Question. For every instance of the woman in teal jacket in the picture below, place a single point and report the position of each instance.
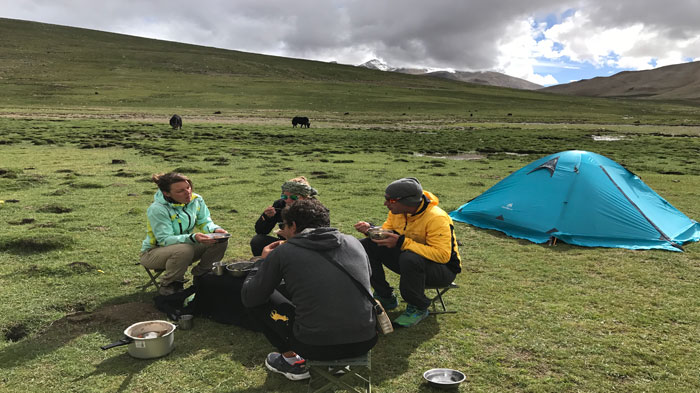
(171, 241)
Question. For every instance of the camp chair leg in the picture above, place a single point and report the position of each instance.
(325, 372)
(153, 276)
(439, 291)
(339, 381)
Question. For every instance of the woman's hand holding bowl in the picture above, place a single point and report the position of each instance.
(204, 238)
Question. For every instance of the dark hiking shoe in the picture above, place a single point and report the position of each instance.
(167, 290)
(389, 303)
(172, 288)
(294, 372)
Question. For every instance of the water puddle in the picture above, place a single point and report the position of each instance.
(607, 138)
(462, 156)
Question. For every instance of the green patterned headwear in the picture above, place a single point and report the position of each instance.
(300, 189)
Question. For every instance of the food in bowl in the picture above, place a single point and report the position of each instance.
(378, 233)
(239, 269)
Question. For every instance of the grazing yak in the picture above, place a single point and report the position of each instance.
(301, 120)
(176, 122)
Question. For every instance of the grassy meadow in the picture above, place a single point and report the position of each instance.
(83, 125)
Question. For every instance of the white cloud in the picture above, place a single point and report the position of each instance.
(520, 49)
(634, 46)
(632, 63)
(470, 35)
(544, 80)
(579, 39)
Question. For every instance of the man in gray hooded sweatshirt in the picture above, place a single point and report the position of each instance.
(326, 316)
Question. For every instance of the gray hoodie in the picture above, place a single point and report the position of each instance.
(330, 309)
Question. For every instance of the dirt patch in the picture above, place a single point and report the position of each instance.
(123, 173)
(16, 332)
(24, 221)
(57, 209)
(38, 243)
(81, 267)
(59, 192)
(87, 185)
(121, 315)
(9, 173)
(46, 225)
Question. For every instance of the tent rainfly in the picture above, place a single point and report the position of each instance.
(580, 198)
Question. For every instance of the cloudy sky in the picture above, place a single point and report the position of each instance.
(544, 41)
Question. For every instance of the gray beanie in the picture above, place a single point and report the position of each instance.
(407, 190)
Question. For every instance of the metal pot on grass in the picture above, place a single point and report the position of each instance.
(148, 339)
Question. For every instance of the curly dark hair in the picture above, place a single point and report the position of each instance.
(307, 213)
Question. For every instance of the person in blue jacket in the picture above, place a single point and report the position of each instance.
(178, 233)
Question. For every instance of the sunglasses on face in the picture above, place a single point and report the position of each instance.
(292, 197)
(392, 200)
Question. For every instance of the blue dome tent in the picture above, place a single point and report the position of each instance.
(581, 198)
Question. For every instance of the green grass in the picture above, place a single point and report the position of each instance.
(74, 170)
(531, 317)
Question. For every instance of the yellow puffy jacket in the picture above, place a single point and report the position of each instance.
(429, 233)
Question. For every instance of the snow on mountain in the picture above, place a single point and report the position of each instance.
(481, 78)
(376, 64)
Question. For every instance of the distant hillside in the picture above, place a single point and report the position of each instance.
(488, 78)
(674, 82)
(59, 67)
(47, 68)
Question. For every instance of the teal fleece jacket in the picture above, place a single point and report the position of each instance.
(173, 223)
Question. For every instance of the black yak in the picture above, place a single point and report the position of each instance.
(302, 121)
(176, 122)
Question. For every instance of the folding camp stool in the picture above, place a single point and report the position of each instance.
(328, 375)
(153, 274)
(439, 291)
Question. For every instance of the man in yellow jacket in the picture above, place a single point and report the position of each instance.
(422, 248)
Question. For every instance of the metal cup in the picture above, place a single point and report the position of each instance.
(218, 268)
(186, 322)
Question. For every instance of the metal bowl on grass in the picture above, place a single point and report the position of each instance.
(444, 377)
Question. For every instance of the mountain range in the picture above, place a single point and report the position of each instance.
(489, 78)
(673, 82)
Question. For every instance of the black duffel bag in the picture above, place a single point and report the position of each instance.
(215, 297)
